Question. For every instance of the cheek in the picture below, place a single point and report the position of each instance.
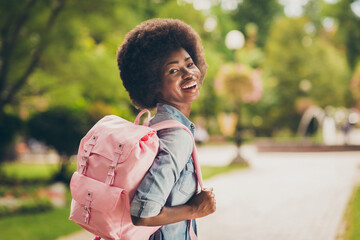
(168, 88)
(197, 72)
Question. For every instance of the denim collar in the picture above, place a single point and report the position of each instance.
(167, 112)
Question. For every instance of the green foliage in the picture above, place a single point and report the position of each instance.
(211, 171)
(36, 59)
(62, 53)
(54, 224)
(294, 57)
(171, 9)
(30, 206)
(33, 206)
(355, 86)
(45, 226)
(33, 171)
(61, 128)
(25, 28)
(260, 12)
(348, 25)
(9, 126)
(352, 217)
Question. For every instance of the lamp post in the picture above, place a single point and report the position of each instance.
(239, 84)
(234, 41)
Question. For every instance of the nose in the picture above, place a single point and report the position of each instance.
(187, 73)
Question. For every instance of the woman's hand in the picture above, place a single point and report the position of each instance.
(203, 203)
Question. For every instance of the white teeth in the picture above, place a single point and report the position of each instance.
(189, 85)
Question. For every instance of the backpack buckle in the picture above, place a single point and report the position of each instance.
(111, 175)
(85, 159)
(87, 209)
(84, 164)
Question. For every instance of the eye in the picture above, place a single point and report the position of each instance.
(172, 71)
(190, 65)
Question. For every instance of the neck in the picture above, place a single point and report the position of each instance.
(183, 108)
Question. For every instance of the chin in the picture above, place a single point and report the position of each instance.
(194, 99)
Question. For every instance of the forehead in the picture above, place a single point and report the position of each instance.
(177, 54)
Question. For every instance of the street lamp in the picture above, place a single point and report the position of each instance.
(235, 40)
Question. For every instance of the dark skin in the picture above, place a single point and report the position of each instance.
(180, 81)
(180, 87)
(201, 205)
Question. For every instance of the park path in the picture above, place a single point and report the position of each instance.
(281, 196)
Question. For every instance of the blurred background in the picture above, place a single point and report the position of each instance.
(283, 74)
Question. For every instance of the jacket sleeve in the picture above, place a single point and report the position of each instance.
(175, 149)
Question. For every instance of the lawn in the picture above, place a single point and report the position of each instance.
(352, 217)
(41, 226)
(45, 171)
(53, 224)
(211, 171)
(29, 171)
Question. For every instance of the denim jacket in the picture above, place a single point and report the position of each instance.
(171, 180)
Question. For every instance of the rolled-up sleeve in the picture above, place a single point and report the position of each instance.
(175, 149)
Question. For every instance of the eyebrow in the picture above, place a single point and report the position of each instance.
(175, 62)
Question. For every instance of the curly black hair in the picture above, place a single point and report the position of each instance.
(144, 51)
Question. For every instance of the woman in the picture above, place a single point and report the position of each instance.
(162, 65)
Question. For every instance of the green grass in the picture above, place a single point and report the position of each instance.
(54, 224)
(44, 171)
(211, 171)
(352, 217)
(29, 170)
(41, 226)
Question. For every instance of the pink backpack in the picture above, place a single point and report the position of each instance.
(113, 158)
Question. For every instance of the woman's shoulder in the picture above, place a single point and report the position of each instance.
(170, 132)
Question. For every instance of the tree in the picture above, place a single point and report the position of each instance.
(302, 65)
(348, 28)
(9, 126)
(38, 36)
(260, 12)
(22, 42)
(240, 84)
(60, 128)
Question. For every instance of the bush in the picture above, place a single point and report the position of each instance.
(9, 126)
(20, 199)
(33, 206)
(61, 128)
(26, 207)
(4, 210)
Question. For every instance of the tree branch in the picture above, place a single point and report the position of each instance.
(37, 54)
(9, 41)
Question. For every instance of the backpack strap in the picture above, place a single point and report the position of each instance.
(137, 120)
(85, 158)
(112, 167)
(175, 124)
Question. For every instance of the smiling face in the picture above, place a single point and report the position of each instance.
(180, 80)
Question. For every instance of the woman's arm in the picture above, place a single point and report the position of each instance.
(201, 205)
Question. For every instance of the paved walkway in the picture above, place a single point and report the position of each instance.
(282, 196)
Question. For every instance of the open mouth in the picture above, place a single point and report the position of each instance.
(189, 85)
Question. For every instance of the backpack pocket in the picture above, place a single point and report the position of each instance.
(96, 206)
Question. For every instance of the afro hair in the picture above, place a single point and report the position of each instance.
(144, 50)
